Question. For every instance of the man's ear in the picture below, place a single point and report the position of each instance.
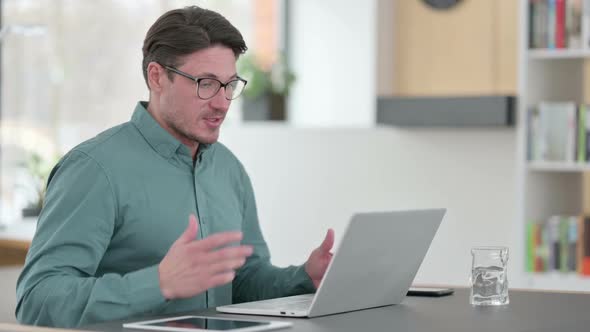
(155, 75)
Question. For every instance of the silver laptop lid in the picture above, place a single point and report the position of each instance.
(377, 260)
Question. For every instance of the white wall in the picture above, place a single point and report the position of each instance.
(332, 50)
(307, 180)
(385, 47)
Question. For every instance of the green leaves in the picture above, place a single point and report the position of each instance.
(278, 79)
(38, 169)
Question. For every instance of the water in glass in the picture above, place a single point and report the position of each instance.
(489, 282)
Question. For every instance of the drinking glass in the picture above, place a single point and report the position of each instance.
(489, 281)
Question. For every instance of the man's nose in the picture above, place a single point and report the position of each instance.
(219, 101)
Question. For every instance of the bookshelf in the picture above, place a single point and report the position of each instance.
(547, 188)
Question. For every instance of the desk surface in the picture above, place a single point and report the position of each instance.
(527, 312)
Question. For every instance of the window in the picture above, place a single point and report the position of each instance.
(71, 69)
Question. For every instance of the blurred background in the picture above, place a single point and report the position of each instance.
(351, 106)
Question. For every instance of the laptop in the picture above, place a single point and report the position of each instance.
(374, 266)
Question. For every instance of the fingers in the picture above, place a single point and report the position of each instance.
(328, 242)
(193, 265)
(190, 234)
(226, 266)
(220, 266)
(241, 252)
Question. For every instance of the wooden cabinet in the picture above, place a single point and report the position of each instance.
(15, 240)
(13, 252)
(470, 49)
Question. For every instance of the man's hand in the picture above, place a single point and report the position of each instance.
(318, 261)
(192, 266)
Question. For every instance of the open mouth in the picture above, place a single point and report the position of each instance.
(213, 121)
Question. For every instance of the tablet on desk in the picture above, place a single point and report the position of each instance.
(199, 324)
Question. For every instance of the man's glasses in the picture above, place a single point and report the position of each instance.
(208, 87)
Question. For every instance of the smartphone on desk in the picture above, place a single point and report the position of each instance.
(430, 291)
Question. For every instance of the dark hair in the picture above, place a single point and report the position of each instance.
(183, 31)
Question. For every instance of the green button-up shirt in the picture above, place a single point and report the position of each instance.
(114, 206)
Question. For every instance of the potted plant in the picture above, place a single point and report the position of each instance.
(37, 170)
(267, 88)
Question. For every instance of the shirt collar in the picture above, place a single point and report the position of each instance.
(158, 138)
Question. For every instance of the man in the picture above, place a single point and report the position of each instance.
(112, 240)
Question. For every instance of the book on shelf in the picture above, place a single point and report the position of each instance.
(554, 244)
(551, 24)
(584, 252)
(536, 258)
(537, 24)
(536, 255)
(541, 251)
(572, 244)
(564, 253)
(556, 24)
(558, 132)
(560, 24)
(583, 133)
(583, 231)
(560, 243)
(573, 22)
(553, 132)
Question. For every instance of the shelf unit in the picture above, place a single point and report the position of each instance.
(544, 166)
(549, 280)
(546, 54)
(547, 188)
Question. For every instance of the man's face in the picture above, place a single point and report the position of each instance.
(188, 117)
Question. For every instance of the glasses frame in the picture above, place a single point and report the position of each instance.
(198, 80)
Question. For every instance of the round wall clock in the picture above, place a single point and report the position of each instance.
(441, 4)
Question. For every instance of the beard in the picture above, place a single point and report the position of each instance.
(181, 128)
